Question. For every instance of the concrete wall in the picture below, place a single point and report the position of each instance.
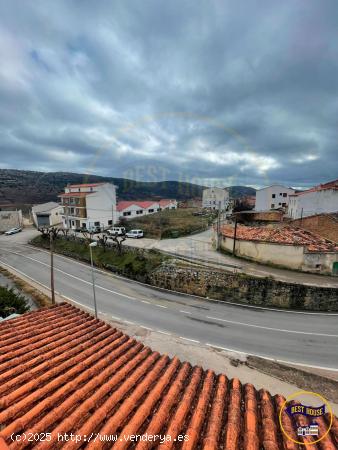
(288, 255)
(10, 219)
(312, 203)
(55, 216)
(265, 199)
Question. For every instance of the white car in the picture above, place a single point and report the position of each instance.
(135, 234)
(117, 231)
(13, 230)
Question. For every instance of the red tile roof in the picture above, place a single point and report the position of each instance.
(320, 187)
(281, 235)
(165, 202)
(142, 204)
(62, 371)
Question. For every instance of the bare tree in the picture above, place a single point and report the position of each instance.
(102, 239)
(118, 241)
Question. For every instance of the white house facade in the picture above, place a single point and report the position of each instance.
(135, 208)
(47, 214)
(273, 197)
(317, 200)
(89, 205)
(215, 198)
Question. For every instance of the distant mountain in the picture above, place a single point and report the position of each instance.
(23, 187)
(241, 191)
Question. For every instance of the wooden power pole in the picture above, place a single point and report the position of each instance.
(235, 235)
(51, 247)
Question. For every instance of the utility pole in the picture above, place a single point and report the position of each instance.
(219, 226)
(235, 234)
(51, 247)
(91, 245)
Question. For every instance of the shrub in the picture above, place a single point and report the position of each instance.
(11, 302)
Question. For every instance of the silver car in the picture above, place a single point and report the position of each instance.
(13, 230)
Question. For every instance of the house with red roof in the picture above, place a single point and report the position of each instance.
(319, 199)
(88, 206)
(139, 208)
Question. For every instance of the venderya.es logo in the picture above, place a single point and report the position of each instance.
(305, 418)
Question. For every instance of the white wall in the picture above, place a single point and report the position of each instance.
(316, 202)
(55, 216)
(101, 205)
(266, 201)
(134, 208)
(213, 196)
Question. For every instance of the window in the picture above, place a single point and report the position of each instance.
(285, 194)
(273, 196)
(279, 204)
(158, 209)
(96, 224)
(272, 205)
(284, 204)
(140, 211)
(83, 225)
(110, 222)
(280, 194)
(127, 213)
(150, 210)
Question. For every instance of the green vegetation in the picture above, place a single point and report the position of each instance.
(11, 302)
(133, 263)
(171, 223)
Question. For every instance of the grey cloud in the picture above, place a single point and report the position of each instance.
(229, 91)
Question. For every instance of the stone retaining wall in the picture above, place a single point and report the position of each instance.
(245, 289)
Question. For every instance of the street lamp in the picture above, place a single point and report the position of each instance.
(91, 245)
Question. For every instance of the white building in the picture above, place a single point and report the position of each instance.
(89, 205)
(135, 208)
(47, 214)
(215, 197)
(317, 200)
(10, 219)
(273, 197)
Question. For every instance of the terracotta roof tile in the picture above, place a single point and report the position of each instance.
(281, 235)
(62, 371)
(141, 204)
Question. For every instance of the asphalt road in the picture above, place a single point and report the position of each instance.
(301, 338)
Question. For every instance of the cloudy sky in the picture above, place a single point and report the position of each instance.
(216, 92)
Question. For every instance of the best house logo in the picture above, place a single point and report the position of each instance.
(303, 408)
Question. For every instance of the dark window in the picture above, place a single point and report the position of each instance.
(127, 213)
(150, 210)
(283, 204)
(285, 194)
(280, 194)
(140, 211)
(272, 205)
(279, 203)
(96, 224)
(273, 195)
(158, 209)
(110, 222)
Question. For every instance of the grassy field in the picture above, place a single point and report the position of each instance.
(170, 223)
(133, 264)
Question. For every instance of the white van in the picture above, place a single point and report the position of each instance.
(135, 234)
(117, 231)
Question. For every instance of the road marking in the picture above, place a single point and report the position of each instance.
(128, 321)
(116, 318)
(160, 306)
(145, 301)
(146, 328)
(237, 305)
(282, 361)
(271, 329)
(185, 312)
(190, 340)
(163, 332)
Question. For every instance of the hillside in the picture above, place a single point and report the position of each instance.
(22, 187)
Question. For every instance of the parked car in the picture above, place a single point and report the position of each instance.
(116, 231)
(135, 234)
(13, 230)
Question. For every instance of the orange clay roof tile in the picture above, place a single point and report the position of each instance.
(62, 371)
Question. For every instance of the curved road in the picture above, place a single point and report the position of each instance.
(301, 338)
